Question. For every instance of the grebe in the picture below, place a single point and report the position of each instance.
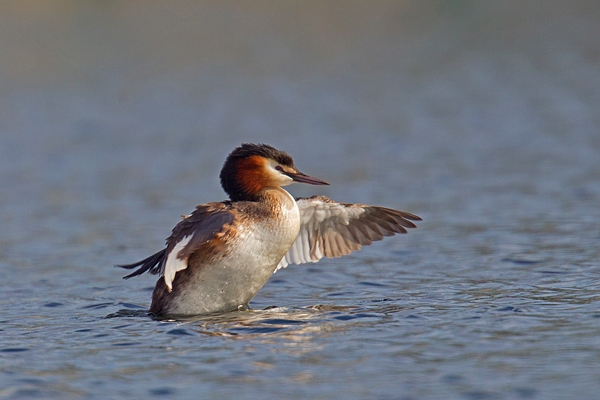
(218, 257)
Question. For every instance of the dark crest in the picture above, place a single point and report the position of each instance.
(250, 149)
(228, 172)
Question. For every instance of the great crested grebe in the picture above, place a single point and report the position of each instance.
(218, 257)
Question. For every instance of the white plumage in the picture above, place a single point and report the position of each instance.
(174, 263)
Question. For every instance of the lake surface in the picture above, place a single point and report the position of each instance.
(481, 117)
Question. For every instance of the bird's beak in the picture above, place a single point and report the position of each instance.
(298, 176)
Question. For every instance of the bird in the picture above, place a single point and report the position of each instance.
(218, 257)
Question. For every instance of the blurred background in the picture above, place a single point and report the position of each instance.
(109, 106)
(482, 117)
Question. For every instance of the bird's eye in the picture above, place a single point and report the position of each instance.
(278, 168)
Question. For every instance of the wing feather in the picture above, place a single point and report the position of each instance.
(330, 245)
(192, 233)
(331, 229)
(187, 237)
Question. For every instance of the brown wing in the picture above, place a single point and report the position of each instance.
(193, 232)
(202, 225)
(186, 238)
(331, 229)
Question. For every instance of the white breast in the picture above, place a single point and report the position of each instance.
(224, 283)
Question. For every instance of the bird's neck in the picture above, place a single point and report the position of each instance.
(276, 196)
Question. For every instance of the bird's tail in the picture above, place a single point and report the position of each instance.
(155, 264)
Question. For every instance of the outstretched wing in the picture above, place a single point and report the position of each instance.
(331, 229)
(187, 237)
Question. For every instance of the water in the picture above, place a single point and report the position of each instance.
(482, 118)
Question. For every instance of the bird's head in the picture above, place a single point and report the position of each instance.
(252, 167)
